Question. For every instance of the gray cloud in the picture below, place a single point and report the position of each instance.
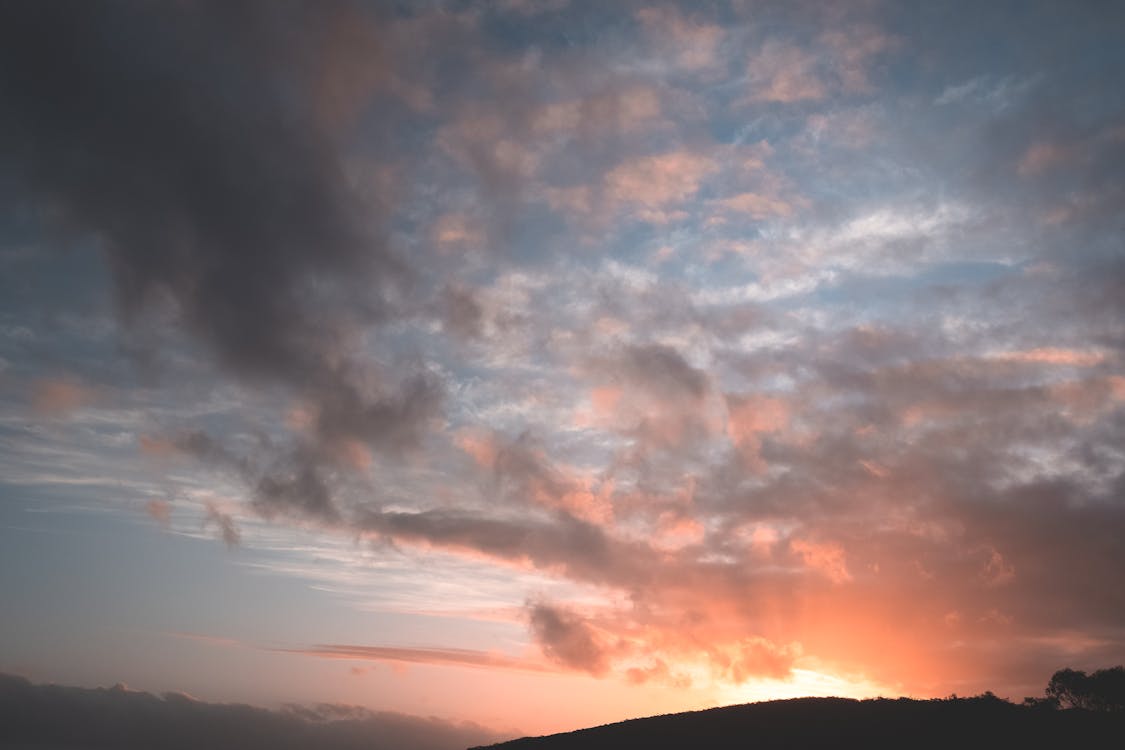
(563, 543)
(566, 639)
(166, 134)
(225, 523)
(185, 141)
(664, 370)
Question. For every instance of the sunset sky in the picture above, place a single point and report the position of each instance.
(544, 364)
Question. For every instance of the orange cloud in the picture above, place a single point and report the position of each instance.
(676, 530)
(828, 558)
(759, 657)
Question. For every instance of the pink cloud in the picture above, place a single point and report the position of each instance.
(1055, 356)
(851, 51)
(152, 445)
(749, 418)
(446, 656)
(675, 530)
(458, 231)
(757, 206)
(524, 473)
(755, 414)
(624, 110)
(996, 570)
(58, 397)
(1043, 156)
(691, 45)
(653, 183)
(783, 72)
(480, 446)
(159, 511)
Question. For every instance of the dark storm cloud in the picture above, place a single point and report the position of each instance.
(71, 718)
(184, 139)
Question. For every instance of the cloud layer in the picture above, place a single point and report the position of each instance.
(784, 338)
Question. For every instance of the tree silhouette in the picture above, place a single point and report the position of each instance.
(1104, 690)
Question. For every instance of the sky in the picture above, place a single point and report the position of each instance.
(544, 364)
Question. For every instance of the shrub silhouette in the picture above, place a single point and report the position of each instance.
(1104, 690)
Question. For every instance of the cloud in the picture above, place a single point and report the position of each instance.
(757, 206)
(690, 44)
(454, 656)
(652, 394)
(566, 639)
(826, 557)
(197, 210)
(757, 657)
(159, 511)
(1055, 356)
(70, 717)
(852, 50)
(562, 543)
(224, 523)
(663, 370)
(55, 397)
(651, 184)
(784, 72)
(881, 353)
(193, 157)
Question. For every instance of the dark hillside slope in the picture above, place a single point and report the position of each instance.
(956, 723)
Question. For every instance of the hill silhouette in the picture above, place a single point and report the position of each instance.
(60, 717)
(806, 723)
